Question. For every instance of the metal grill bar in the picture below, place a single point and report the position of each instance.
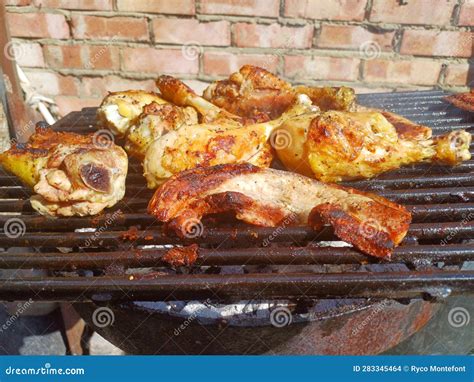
(438, 212)
(440, 198)
(296, 285)
(240, 235)
(411, 254)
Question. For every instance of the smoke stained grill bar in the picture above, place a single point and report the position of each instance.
(439, 242)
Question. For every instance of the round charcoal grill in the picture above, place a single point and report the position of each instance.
(254, 290)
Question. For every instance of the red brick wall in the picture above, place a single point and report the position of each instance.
(76, 50)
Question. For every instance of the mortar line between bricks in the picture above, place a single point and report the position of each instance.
(283, 20)
(310, 51)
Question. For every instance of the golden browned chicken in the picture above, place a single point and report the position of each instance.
(119, 110)
(178, 93)
(208, 144)
(156, 120)
(71, 174)
(141, 117)
(256, 94)
(337, 145)
(268, 197)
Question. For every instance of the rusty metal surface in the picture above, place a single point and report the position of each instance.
(367, 329)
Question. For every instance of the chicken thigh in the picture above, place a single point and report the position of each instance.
(268, 197)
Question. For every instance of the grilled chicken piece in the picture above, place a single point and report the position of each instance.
(214, 143)
(71, 174)
(463, 101)
(178, 93)
(259, 95)
(337, 145)
(268, 197)
(118, 111)
(156, 120)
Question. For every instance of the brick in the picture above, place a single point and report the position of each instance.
(49, 25)
(175, 7)
(457, 75)
(82, 56)
(223, 63)
(92, 5)
(466, 15)
(416, 72)
(18, 3)
(113, 28)
(150, 60)
(52, 84)
(326, 10)
(433, 43)
(182, 31)
(67, 104)
(352, 37)
(268, 8)
(321, 68)
(272, 36)
(437, 12)
(28, 54)
(99, 86)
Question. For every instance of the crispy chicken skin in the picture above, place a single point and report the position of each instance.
(337, 145)
(71, 174)
(141, 117)
(118, 111)
(156, 120)
(257, 94)
(212, 144)
(463, 101)
(267, 197)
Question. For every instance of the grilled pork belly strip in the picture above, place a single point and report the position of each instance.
(268, 197)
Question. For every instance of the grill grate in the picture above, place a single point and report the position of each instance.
(241, 261)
